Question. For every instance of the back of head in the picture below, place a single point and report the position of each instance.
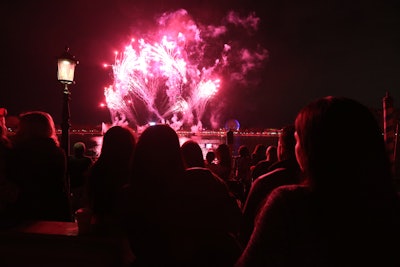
(36, 124)
(259, 150)
(192, 154)
(118, 144)
(259, 153)
(224, 155)
(157, 157)
(340, 146)
(244, 151)
(79, 149)
(210, 156)
(286, 143)
(271, 153)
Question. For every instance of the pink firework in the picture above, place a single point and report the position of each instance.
(165, 79)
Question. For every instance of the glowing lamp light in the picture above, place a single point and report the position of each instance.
(66, 67)
(65, 74)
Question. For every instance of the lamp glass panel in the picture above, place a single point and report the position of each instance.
(66, 70)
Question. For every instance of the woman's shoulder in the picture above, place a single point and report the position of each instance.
(293, 189)
(293, 192)
(284, 200)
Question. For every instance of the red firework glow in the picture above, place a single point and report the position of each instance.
(166, 80)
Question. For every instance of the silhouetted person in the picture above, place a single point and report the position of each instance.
(224, 169)
(39, 169)
(258, 154)
(78, 167)
(175, 217)
(242, 170)
(216, 213)
(210, 160)
(347, 212)
(262, 167)
(109, 173)
(224, 164)
(229, 137)
(285, 171)
(192, 154)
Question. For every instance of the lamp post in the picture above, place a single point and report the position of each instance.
(65, 75)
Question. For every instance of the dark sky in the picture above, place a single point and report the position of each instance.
(316, 48)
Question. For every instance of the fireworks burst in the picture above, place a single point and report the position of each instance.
(167, 80)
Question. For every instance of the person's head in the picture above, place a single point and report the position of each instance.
(223, 154)
(244, 151)
(157, 159)
(192, 154)
(271, 153)
(339, 145)
(79, 149)
(286, 143)
(36, 124)
(118, 144)
(210, 157)
(259, 151)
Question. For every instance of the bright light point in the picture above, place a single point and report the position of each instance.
(208, 89)
(152, 123)
(102, 105)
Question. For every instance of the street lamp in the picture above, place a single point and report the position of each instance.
(65, 75)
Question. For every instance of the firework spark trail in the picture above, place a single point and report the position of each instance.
(131, 81)
(166, 76)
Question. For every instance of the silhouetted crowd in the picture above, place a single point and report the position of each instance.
(323, 196)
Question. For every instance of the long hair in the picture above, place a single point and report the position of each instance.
(287, 143)
(111, 171)
(157, 161)
(118, 144)
(36, 124)
(224, 155)
(342, 146)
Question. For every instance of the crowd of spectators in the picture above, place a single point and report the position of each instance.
(320, 197)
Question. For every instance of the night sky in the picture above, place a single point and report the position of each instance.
(316, 48)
